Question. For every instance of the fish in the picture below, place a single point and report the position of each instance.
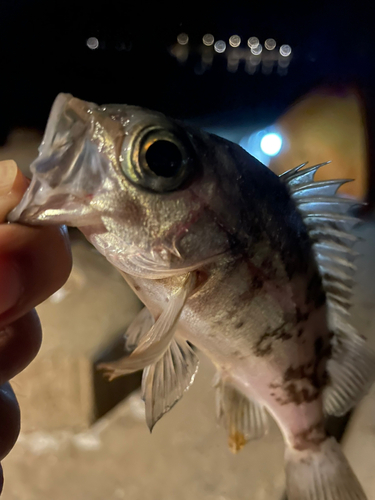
(253, 269)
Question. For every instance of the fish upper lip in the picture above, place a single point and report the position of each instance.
(30, 214)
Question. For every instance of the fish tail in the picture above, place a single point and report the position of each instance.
(321, 473)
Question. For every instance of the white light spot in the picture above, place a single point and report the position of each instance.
(271, 144)
(257, 50)
(253, 42)
(183, 39)
(92, 43)
(285, 50)
(220, 46)
(58, 296)
(235, 41)
(87, 441)
(270, 44)
(208, 39)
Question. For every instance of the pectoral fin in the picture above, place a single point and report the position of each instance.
(164, 382)
(244, 419)
(153, 344)
(140, 326)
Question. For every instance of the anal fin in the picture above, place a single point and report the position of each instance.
(244, 419)
(164, 382)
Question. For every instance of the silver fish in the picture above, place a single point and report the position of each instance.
(253, 269)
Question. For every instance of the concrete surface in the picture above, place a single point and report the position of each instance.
(186, 457)
(61, 389)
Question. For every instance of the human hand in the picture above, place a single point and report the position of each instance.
(34, 263)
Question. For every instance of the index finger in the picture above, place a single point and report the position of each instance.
(13, 184)
(34, 261)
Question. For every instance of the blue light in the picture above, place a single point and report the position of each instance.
(271, 144)
(263, 144)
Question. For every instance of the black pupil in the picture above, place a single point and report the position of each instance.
(164, 158)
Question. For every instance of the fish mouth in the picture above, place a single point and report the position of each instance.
(61, 188)
(59, 210)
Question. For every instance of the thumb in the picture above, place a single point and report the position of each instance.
(12, 186)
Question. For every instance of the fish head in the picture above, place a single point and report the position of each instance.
(136, 183)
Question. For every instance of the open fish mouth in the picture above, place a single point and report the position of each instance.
(68, 171)
(72, 211)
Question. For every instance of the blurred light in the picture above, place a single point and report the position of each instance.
(233, 62)
(183, 39)
(255, 60)
(263, 144)
(220, 46)
(253, 42)
(208, 39)
(92, 43)
(282, 71)
(283, 62)
(250, 67)
(267, 67)
(207, 57)
(180, 52)
(234, 41)
(270, 44)
(271, 144)
(285, 50)
(257, 50)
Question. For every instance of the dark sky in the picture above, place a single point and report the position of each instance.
(43, 52)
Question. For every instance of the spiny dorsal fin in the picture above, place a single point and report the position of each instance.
(325, 188)
(329, 223)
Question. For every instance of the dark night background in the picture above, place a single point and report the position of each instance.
(44, 51)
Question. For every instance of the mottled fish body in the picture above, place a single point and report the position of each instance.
(252, 269)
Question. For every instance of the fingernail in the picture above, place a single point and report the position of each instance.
(11, 286)
(8, 173)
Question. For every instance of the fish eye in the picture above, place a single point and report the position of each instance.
(158, 159)
(164, 158)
